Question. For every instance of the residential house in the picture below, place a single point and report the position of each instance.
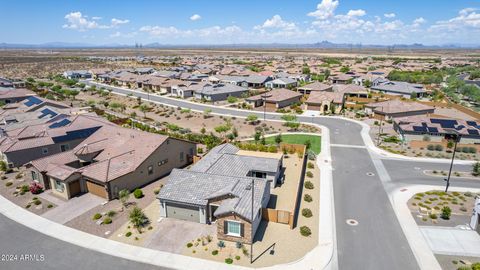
(282, 83)
(12, 95)
(6, 83)
(110, 160)
(325, 102)
(219, 188)
(77, 74)
(186, 89)
(415, 128)
(275, 99)
(396, 108)
(30, 104)
(341, 79)
(219, 92)
(314, 87)
(404, 89)
(19, 146)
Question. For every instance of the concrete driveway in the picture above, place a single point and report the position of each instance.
(172, 235)
(68, 210)
(452, 241)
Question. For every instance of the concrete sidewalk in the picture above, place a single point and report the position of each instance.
(419, 245)
(452, 241)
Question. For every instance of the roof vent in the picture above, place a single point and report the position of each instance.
(248, 187)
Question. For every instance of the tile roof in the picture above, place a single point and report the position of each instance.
(277, 95)
(316, 86)
(398, 106)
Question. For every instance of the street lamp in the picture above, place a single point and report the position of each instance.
(264, 99)
(453, 135)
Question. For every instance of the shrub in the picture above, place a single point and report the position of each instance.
(310, 165)
(18, 176)
(305, 231)
(50, 206)
(245, 251)
(446, 212)
(307, 198)
(307, 212)
(7, 184)
(308, 185)
(237, 258)
(37, 202)
(138, 193)
(439, 147)
(309, 174)
(35, 188)
(97, 216)
(463, 209)
(128, 234)
(111, 213)
(221, 244)
(24, 188)
(3, 166)
(156, 191)
(433, 216)
(431, 147)
(215, 252)
(107, 220)
(228, 260)
(189, 245)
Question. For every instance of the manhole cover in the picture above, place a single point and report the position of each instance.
(370, 174)
(352, 222)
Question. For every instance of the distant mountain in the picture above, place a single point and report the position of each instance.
(319, 45)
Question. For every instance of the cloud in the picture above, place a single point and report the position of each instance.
(195, 17)
(78, 21)
(356, 13)
(116, 22)
(325, 9)
(276, 22)
(389, 15)
(467, 18)
(119, 34)
(75, 20)
(418, 21)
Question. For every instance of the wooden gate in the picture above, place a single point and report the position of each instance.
(277, 216)
(283, 216)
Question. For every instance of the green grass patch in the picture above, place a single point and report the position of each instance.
(299, 139)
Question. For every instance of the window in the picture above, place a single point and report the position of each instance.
(59, 186)
(259, 175)
(233, 228)
(34, 176)
(162, 162)
(64, 147)
(44, 150)
(182, 156)
(191, 151)
(150, 170)
(259, 213)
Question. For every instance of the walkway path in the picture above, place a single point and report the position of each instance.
(72, 208)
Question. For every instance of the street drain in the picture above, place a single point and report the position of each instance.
(370, 174)
(352, 222)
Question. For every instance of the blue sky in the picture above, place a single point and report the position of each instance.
(246, 21)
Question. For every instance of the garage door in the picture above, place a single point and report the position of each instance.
(271, 106)
(97, 189)
(183, 212)
(74, 188)
(314, 107)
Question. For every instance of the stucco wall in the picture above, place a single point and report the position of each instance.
(140, 177)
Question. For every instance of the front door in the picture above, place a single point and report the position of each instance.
(213, 208)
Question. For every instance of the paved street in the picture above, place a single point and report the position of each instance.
(377, 242)
(17, 239)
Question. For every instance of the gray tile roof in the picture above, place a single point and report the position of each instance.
(221, 89)
(196, 188)
(399, 87)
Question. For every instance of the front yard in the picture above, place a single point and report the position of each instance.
(315, 140)
(15, 188)
(275, 243)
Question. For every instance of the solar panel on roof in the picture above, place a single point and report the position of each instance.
(472, 123)
(460, 127)
(61, 123)
(46, 112)
(419, 129)
(445, 123)
(32, 101)
(433, 129)
(473, 132)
